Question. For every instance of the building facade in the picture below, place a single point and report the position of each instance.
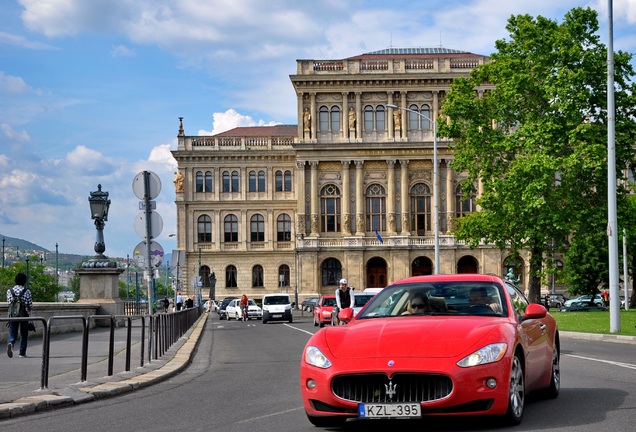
(347, 192)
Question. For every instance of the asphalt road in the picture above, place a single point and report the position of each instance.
(244, 376)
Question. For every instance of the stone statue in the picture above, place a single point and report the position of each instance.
(397, 119)
(307, 120)
(352, 118)
(178, 181)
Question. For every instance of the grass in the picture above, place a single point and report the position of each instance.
(595, 322)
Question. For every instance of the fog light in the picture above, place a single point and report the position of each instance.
(311, 384)
(491, 383)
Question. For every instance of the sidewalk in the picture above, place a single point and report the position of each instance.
(20, 378)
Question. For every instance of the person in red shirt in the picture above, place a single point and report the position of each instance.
(244, 305)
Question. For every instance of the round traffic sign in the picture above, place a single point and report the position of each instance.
(141, 252)
(154, 185)
(156, 224)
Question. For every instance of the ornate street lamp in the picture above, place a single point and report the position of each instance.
(100, 204)
(212, 285)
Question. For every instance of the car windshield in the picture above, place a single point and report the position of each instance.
(276, 300)
(439, 298)
(362, 299)
(330, 301)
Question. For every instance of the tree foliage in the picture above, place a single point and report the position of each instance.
(43, 286)
(531, 126)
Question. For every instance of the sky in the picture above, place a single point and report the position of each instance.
(91, 91)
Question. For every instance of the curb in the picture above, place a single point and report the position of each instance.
(75, 395)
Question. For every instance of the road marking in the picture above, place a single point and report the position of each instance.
(299, 329)
(269, 415)
(619, 364)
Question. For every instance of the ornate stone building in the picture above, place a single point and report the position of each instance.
(347, 192)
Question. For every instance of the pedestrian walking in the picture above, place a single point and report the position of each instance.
(20, 305)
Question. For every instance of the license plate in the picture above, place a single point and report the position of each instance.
(400, 410)
(277, 315)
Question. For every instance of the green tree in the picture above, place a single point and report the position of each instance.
(43, 286)
(531, 125)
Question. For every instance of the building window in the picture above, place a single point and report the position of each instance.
(420, 122)
(374, 118)
(208, 181)
(257, 228)
(231, 181)
(257, 181)
(283, 181)
(235, 182)
(283, 227)
(330, 209)
(204, 229)
(420, 208)
(283, 275)
(257, 276)
(230, 277)
(230, 228)
(376, 208)
(331, 272)
(329, 119)
(199, 182)
(464, 204)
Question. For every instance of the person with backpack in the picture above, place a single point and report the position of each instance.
(20, 305)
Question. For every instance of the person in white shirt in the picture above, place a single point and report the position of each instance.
(344, 297)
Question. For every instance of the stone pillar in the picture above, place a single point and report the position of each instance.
(450, 197)
(404, 192)
(389, 120)
(346, 199)
(359, 115)
(315, 197)
(344, 123)
(360, 226)
(300, 198)
(390, 198)
(100, 285)
(404, 118)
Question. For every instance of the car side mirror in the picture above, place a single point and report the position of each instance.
(534, 311)
(345, 315)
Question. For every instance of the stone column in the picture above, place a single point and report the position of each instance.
(346, 199)
(344, 124)
(101, 286)
(450, 197)
(314, 200)
(314, 130)
(404, 117)
(390, 197)
(389, 120)
(358, 115)
(360, 226)
(299, 102)
(300, 198)
(404, 192)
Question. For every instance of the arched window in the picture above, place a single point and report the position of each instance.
(208, 181)
(323, 119)
(204, 229)
(257, 181)
(235, 181)
(330, 209)
(374, 118)
(283, 181)
(464, 204)
(257, 228)
(335, 119)
(420, 122)
(199, 182)
(227, 184)
(283, 227)
(331, 272)
(288, 181)
(420, 208)
(257, 276)
(230, 277)
(376, 208)
(230, 228)
(283, 275)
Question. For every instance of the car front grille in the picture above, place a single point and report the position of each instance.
(401, 387)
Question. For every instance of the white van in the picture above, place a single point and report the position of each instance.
(372, 290)
(277, 307)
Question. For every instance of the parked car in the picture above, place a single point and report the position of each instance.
(359, 301)
(233, 310)
(277, 307)
(587, 297)
(224, 303)
(308, 304)
(465, 359)
(583, 306)
(323, 309)
(372, 290)
(557, 300)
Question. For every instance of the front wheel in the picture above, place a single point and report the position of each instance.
(552, 392)
(516, 393)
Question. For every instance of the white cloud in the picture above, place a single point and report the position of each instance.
(12, 84)
(22, 42)
(7, 130)
(230, 119)
(122, 51)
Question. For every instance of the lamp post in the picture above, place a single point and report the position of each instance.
(435, 182)
(57, 272)
(27, 272)
(212, 286)
(3, 239)
(99, 203)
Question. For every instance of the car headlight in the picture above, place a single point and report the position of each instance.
(315, 357)
(488, 354)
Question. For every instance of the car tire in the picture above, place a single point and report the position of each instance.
(326, 421)
(291, 319)
(264, 321)
(552, 392)
(315, 322)
(322, 324)
(227, 316)
(516, 393)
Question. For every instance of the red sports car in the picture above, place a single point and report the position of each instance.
(323, 309)
(445, 345)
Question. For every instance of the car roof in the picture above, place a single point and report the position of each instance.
(463, 277)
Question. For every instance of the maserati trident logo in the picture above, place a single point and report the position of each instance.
(390, 389)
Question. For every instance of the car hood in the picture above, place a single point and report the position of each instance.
(436, 337)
